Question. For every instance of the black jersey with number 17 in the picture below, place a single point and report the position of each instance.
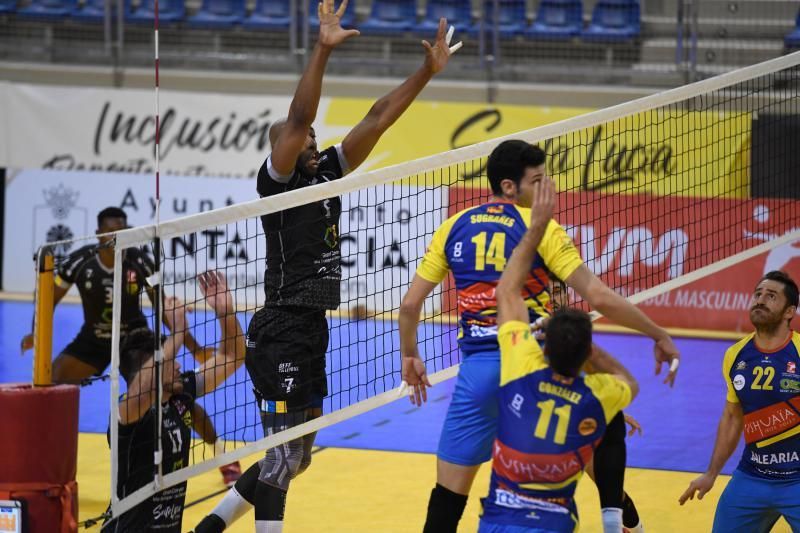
(95, 283)
(162, 512)
(303, 249)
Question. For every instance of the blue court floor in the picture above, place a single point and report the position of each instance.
(679, 424)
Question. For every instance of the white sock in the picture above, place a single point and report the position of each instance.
(232, 507)
(269, 526)
(612, 519)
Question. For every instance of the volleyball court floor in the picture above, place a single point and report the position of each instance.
(374, 472)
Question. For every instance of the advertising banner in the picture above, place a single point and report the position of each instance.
(635, 242)
(383, 233)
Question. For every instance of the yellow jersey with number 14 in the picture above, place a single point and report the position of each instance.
(475, 245)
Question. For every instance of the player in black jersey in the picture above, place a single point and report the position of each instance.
(164, 511)
(288, 338)
(91, 270)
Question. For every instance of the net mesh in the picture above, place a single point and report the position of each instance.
(654, 193)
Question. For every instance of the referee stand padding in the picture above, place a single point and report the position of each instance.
(39, 454)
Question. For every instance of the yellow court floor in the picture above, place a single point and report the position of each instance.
(348, 490)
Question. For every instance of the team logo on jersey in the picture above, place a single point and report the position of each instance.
(741, 365)
(791, 367)
(331, 236)
(133, 286)
(494, 209)
(738, 382)
(587, 426)
(516, 405)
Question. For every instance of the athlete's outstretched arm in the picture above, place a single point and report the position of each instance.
(510, 303)
(231, 350)
(303, 109)
(414, 373)
(142, 388)
(612, 305)
(603, 362)
(362, 139)
(728, 434)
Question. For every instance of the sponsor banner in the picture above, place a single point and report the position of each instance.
(384, 231)
(667, 152)
(217, 135)
(634, 242)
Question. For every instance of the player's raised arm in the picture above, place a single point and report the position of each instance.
(362, 139)
(141, 389)
(615, 307)
(288, 138)
(729, 432)
(231, 350)
(510, 304)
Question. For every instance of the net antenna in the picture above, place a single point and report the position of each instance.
(708, 162)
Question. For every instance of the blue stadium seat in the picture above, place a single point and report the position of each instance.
(169, 11)
(8, 6)
(390, 16)
(47, 9)
(218, 14)
(348, 19)
(614, 21)
(269, 15)
(457, 12)
(793, 39)
(511, 19)
(557, 19)
(92, 11)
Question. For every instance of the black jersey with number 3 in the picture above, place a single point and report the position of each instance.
(162, 512)
(95, 284)
(303, 254)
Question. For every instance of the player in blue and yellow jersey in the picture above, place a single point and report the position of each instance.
(763, 402)
(550, 418)
(475, 245)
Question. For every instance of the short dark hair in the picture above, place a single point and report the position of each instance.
(137, 347)
(789, 286)
(569, 341)
(509, 160)
(110, 212)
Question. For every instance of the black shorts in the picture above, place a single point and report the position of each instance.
(91, 350)
(286, 357)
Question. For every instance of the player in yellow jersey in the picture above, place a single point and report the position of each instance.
(763, 402)
(550, 418)
(475, 245)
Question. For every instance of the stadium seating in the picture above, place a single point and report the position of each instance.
(457, 12)
(557, 19)
(390, 16)
(219, 14)
(91, 11)
(8, 6)
(169, 11)
(614, 21)
(511, 17)
(47, 9)
(348, 19)
(792, 40)
(269, 15)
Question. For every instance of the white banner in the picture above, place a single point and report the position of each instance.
(100, 129)
(384, 231)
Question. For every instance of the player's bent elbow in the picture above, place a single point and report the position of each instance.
(634, 386)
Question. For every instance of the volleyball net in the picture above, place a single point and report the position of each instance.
(679, 201)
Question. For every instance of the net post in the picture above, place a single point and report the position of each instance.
(43, 323)
(116, 314)
(158, 360)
